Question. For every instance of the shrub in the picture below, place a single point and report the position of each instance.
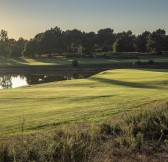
(75, 63)
(55, 146)
(139, 63)
(107, 129)
(153, 124)
(150, 62)
(4, 152)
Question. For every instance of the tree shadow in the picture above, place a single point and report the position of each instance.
(154, 70)
(17, 61)
(20, 60)
(51, 61)
(147, 85)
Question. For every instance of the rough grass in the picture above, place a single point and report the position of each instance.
(142, 136)
(46, 106)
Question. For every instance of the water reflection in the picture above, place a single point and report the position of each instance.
(13, 81)
(5, 81)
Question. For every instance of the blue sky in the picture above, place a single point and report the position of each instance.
(26, 18)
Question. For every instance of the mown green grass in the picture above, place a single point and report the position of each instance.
(47, 61)
(95, 99)
(68, 61)
(140, 136)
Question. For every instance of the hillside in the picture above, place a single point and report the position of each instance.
(45, 106)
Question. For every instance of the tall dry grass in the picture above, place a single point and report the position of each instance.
(142, 136)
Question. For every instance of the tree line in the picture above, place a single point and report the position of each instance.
(57, 41)
(11, 47)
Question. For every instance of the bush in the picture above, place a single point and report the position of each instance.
(57, 146)
(139, 63)
(75, 63)
(153, 124)
(107, 129)
(4, 152)
(150, 62)
(159, 53)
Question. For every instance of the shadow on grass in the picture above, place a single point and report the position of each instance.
(20, 60)
(15, 61)
(53, 61)
(154, 70)
(52, 125)
(130, 84)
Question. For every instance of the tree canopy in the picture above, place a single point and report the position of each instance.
(57, 41)
(5, 48)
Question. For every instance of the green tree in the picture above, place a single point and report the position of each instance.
(105, 39)
(17, 46)
(3, 35)
(74, 40)
(119, 45)
(124, 42)
(5, 47)
(49, 41)
(166, 43)
(30, 48)
(156, 41)
(141, 42)
(88, 43)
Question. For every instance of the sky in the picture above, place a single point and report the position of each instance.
(26, 18)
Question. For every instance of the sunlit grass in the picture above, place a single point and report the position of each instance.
(94, 99)
(68, 61)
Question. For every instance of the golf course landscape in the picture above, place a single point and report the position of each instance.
(79, 118)
(68, 61)
(94, 99)
(83, 81)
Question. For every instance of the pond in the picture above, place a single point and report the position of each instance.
(18, 80)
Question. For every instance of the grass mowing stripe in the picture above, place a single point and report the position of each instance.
(84, 100)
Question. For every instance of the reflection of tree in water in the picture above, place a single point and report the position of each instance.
(37, 79)
(78, 76)
(6, 81)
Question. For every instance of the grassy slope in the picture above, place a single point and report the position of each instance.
(93, 99)
(45, 61)
(65, 61)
